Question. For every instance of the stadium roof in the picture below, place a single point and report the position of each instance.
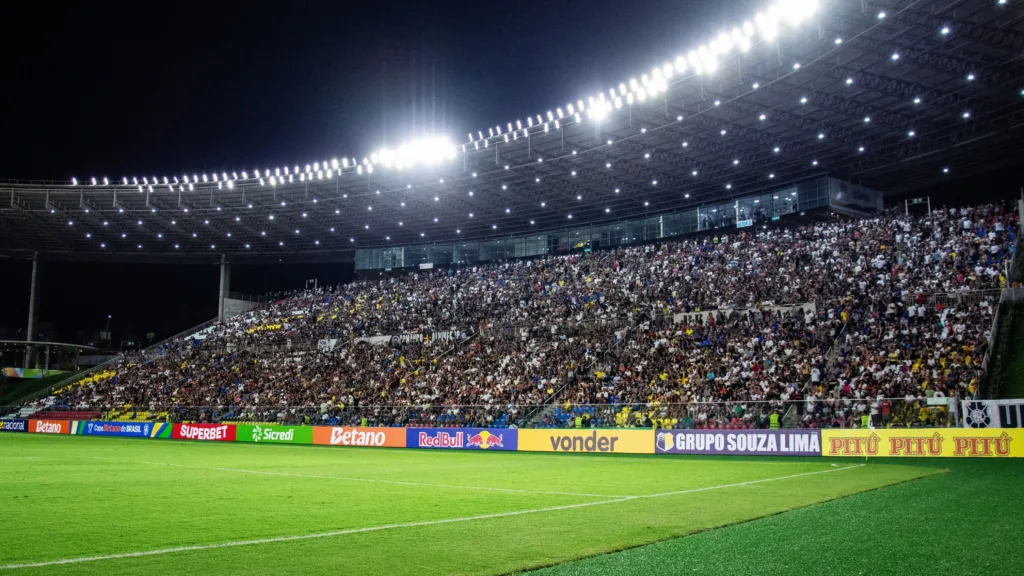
(897, 96)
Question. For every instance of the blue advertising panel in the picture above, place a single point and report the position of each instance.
(463, 438)
(14, 425)
(799, 442)
(137, 429)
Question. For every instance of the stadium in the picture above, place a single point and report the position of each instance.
(752, 309)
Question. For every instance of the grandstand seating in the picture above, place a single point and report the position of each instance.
(833, 317)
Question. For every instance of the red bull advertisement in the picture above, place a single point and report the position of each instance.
(463, 438)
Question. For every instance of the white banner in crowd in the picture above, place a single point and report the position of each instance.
(693, 317)
(436, 336)
(993, 413)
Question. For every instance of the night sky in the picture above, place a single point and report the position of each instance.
(164, 88)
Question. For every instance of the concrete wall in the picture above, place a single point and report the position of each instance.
(234, 307)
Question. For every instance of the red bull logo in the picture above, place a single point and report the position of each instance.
(463, 439)
(485, 440)
(442, 440)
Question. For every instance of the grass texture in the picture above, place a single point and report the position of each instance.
(179, 507)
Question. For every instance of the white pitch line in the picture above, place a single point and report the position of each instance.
(370, 480)
(278, 539)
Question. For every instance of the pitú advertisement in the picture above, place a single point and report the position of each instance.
(273, 434)
(135, 429)
(463, 438)
(205, 432)
(358, 436)
(49, 426)
(14, 425)
(746, 442)
(925, 442)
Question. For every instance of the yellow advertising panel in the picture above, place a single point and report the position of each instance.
(607, 441)
(925, 442)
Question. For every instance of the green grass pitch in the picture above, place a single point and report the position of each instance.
(140, 506)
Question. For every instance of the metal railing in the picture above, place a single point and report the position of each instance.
(819, 413)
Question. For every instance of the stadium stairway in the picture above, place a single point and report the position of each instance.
(538, 417)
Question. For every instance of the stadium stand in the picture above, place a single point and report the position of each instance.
(825, 323)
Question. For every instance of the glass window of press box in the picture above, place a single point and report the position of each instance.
(742, 212)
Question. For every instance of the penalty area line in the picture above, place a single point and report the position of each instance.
(280, 539)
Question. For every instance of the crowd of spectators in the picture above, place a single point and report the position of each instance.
(837, 319)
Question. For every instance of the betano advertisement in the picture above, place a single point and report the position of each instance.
(618, 441)
(925, 442)
(463, 438)
(759, 442)
(49, 426)
(352, 436)
(273, 434)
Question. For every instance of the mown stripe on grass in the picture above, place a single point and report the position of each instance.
(371, 480)
(280, 539)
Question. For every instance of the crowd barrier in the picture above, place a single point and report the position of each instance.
(862, 443)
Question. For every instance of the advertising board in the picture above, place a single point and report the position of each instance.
(13, 425)
(273, 434)
(134, 429)
(463, 438)
(205, 432)
(925, 442)
(49, 426)
(358, 436)
(760, 442)
(618, 441)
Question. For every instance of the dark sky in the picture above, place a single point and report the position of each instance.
(163, 88)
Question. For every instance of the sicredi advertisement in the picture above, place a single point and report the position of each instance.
(274, 434)
(358, 436)
(609, 441)
(49, 426)
(14, 425)
(206, 432)
(766, 442)
(925, 442)
(135, 429)
(463, 438)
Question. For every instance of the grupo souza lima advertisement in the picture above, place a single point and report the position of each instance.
(136, 429)
(463, 438)
(14, 425)
(273, 434)
(781, 442)
(925, 442)
(209, 432)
